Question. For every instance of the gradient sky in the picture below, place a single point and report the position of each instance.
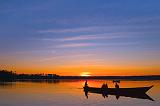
(71, 37)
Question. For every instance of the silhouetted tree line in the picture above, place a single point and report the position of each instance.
(37, 76)
(11, 76)
(7, 75)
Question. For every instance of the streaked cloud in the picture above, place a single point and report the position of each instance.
(91, 37)
(114, 35)
(91, 28)
(106, 28)
(74, 45)
(67, 56)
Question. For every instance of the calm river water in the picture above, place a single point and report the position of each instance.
(70, 93)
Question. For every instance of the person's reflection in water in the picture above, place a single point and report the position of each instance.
(117, 97)
(104, 90)
(86, 94)
(117, 90)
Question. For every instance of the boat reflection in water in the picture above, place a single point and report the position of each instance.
(138, 92)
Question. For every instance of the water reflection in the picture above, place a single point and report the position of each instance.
(139, 92)
(6, 84)
(70, 93)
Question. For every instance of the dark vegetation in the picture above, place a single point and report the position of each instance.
(11, 76)
(7, 75)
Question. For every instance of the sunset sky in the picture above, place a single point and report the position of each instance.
(80, 37)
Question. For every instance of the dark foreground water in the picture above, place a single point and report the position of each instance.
(70, 93)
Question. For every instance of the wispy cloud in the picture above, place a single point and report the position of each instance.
(67, 56)
(69, 30)
(73, 45)
(82, 29)
(92, 37)
(83, 37)
(83, 54)
(105, 28)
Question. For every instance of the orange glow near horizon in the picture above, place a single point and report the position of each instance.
(85, 74)
(91, 70)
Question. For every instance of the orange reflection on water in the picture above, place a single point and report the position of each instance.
(63, 89)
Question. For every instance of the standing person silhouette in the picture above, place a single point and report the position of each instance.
(86, 84)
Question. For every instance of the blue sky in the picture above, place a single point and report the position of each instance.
(45, 31)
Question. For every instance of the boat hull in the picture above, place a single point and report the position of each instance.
(118, 90)
(138, 92)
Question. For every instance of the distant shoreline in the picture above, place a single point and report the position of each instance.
(11, 76)
(149, 77)
(129, 78)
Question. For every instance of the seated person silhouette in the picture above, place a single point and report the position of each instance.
(116, 86)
